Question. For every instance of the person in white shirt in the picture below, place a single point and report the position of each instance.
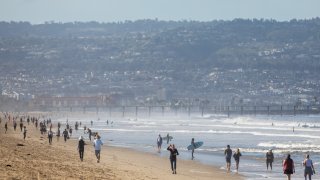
(97, 146)
(308, 167)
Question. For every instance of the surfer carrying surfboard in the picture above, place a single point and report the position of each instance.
(173, 158)
(194, 146)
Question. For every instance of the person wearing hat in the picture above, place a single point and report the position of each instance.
(97, 146)
(81, 147)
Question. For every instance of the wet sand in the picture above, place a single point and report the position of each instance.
(34, 158)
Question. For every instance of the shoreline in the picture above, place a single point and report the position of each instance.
(34, 158)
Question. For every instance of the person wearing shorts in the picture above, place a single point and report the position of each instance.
(228, 155)
(308, 167)
(97, 143)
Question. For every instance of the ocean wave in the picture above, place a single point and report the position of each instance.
(288, 146)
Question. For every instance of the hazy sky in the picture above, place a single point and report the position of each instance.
(39, 11)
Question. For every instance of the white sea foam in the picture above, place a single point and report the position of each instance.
(288, 145)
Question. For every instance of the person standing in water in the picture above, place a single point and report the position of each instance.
(194, 146)
(236, 157)
(168, 138)
(288, 167)
(97, 147)
(81, 147)
(173, 158)
(159, 142)
(228, 155)
(308, 167)
(269, 159)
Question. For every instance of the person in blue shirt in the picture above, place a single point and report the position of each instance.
(97, 143)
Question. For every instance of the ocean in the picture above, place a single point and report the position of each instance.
(253, 135)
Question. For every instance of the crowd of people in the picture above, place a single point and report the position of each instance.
(46, 128)
(287, 163)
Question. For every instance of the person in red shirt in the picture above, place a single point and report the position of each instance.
(288, 167)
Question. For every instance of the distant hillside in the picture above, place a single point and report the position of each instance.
(193, 57)
(225, 44)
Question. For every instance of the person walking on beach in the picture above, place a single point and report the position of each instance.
(21, 125)
(6, 127)
(70, 131)
(159, 142)
(308, 167)
(24, 133)
(81, 147)
(50, 136)
(65, 135)
(58, 134)
(228, 155)
(194, 146)
(288, 167)
(14, 125)
(236, 157)
(269, 159)
(173, 158)
(97, 147)
(90, 133)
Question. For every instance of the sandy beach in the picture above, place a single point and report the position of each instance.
(34, 158)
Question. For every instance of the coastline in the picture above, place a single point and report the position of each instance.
(36, 159)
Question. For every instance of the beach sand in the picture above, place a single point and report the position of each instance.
(34, 158)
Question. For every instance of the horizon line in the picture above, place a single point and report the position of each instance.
(158, 20)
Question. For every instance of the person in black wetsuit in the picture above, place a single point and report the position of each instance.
(81, 147)
(173, 158)
(65, 135)
(228, 154)
(194, 146)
